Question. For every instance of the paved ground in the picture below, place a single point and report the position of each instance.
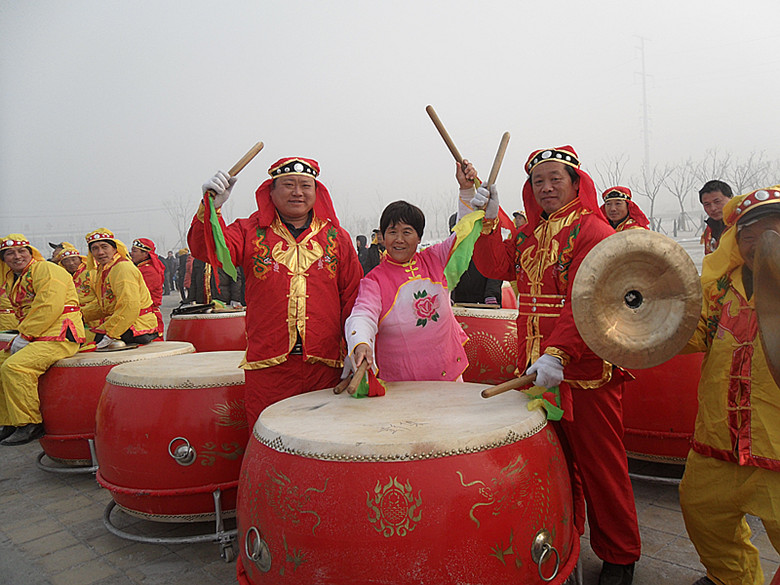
(51, 533)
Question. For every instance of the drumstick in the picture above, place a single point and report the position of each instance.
(361, 371)
(444, 134)
(251, 153)
(510, 385)
(342, 385)
(498, 160)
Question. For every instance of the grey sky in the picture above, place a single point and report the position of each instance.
(110, 109)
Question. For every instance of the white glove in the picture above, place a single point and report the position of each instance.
(548, 369)
(18, 343)
(105, 342)
(221, 185)
(487, 200)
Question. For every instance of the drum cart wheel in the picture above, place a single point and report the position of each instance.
(91, 467)
(224, 538)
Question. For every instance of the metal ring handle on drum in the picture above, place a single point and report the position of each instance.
(184, 454)
(261, 554)
(546, 548)
(540, 551)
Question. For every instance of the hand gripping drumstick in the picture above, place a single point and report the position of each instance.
(456, 153)
(510, 385)
(251, 153)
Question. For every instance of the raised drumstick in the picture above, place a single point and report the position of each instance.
(510, 385)
(498, 160)
(251, 153)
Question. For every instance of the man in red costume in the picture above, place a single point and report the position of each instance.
(621, 212)
(302, 276)
(543, 256)
(144, 255)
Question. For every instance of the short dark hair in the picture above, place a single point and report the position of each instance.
(112, 242)
(362, 239)
(402, 212)
(715, 185)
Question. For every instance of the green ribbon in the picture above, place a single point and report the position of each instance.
(220, 247)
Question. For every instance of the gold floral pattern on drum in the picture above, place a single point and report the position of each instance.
(288, 501)
(210, 451)
(231, 414)
(394, 510)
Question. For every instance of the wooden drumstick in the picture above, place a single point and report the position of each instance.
(444, 134)
(510, 385)
(498, 160)
(342, 385)
(361, 371)
(251, 153)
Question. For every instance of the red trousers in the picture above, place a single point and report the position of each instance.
(266, 386)
(593, 443)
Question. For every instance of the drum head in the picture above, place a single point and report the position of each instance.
(193, 370)
(111, 358)
(481, 311)
(767, 290)
(636, 299)
(414, 420)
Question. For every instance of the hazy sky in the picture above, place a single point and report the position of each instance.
(111, 111)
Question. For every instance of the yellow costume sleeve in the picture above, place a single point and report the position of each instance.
(698, 341)
(125, 286)
(52, 293)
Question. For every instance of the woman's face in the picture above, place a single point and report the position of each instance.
(401, 241)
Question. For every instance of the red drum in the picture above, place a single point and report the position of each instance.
(508, 296)
(659, 409)
(429, 484)
(172, 431)
(5, 340)
(492, 345)
(210, 331)
(69, 392)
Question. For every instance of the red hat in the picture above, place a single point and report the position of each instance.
(568, 156)
(624, 194)
(147, 245)
(307, 167)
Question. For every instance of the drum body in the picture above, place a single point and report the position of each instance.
(170, 433)
(659, 409)
(428, 484)
(69, 392)
(210, 331)
(492, 345)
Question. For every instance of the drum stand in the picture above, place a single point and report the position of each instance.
(651, 469)
(89, 468)
(224, 537)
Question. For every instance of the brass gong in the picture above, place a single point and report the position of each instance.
(636, 299)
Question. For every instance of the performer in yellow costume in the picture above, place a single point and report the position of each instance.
(733, 468)
(71, 260)
(50, 328)
(122, 300)
(8, 320)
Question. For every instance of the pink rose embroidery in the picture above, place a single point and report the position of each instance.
(425, 307)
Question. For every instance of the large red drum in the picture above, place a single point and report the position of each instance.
(429, 484)
(172, 431)
(69, 392)
(659, 409)
(210, 331)
(492, 345)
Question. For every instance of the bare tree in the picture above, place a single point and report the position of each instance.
(681, 181)
(714, 165)
(610, 171)
(180, 212)
(752, 173)
(650, 184)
